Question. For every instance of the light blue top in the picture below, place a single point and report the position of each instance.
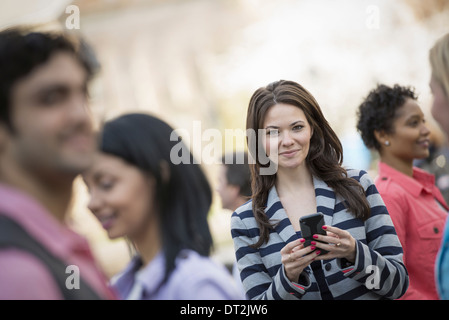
(442, 266)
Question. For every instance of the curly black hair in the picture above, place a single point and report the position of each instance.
(379, 109)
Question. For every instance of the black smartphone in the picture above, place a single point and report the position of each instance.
(310, 225)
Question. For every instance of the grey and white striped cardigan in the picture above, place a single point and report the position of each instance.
(378, 271)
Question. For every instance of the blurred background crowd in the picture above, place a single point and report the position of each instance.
(200, 60)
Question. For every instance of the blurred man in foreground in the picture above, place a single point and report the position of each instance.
(46, 140)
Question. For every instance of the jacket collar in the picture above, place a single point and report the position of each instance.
(325, 201)
(421, 180)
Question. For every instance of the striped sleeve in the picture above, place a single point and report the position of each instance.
(379, 260)
(255, 277)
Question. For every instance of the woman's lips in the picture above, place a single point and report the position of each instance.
(425, 143)
(289, 153)
(107, 221)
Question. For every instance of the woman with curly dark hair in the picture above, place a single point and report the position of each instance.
(391, 122)
(360, 245)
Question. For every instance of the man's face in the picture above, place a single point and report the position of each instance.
(228, 193)
(52, 125)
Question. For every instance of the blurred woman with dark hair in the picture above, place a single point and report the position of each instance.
(137, 192)
(361, 243)
(391, 122)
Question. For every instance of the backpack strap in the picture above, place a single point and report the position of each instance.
(12, 235)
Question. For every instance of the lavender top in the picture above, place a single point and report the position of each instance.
(194, 278)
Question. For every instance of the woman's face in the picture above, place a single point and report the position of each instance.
(288, 135)
(410, 139)
(440, 106)
(121, 196)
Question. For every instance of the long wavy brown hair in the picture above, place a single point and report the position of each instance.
(324, 159)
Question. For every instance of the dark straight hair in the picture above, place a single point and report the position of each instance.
(183, 195)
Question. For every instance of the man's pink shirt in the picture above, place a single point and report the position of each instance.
(22, 275)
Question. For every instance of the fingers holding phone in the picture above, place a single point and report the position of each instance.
(310, 225)
(339, 244)
(296, 257)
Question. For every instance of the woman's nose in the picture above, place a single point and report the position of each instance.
(286, 139)
(424, 130)
(94, 203)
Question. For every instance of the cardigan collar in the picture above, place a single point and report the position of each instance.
(325, 202)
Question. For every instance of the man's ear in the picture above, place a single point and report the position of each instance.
(4, 136)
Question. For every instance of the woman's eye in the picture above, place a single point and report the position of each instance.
(272, 132)
(52, 98)
(297, 128)
(106, 185)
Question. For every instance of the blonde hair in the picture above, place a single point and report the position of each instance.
(439, 62)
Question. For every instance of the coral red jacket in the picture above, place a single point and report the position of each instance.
(419, 212)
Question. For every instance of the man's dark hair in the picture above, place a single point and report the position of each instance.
(379, 109)
(238, 172)
(22, 51)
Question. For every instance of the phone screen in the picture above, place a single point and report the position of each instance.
(310, 225)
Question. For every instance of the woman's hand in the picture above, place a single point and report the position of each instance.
(295, 258)
(338, 242)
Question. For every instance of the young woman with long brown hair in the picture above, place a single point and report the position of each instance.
(364, 258)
